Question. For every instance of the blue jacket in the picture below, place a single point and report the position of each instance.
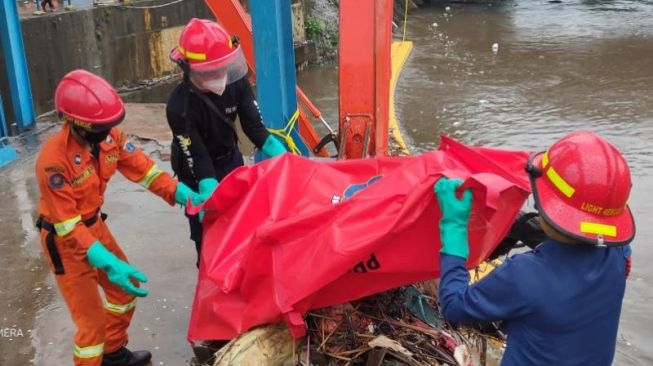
(560, 303)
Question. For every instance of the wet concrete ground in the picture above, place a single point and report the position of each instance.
(153, 234)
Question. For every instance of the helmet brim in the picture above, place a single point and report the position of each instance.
(576, 223)
(176, 56)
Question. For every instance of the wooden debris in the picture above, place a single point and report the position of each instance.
(385, 342)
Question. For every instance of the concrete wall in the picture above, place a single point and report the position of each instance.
(124, 45)
(298, 27)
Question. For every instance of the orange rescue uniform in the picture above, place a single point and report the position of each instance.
(72, 180)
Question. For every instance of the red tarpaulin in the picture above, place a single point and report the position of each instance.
(291, 234)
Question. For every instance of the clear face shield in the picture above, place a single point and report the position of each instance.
(215, 79)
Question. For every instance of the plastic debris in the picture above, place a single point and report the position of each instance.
(495, 48)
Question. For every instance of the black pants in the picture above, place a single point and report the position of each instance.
(221, 171)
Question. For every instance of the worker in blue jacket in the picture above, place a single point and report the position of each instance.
(560, 303)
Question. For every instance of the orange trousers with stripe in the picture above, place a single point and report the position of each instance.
(79, 286)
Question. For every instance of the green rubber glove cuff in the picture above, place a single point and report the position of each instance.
(206, 187)
(454, 241)
(272, 147)
(455, 217)
(117, 270)
(99, 257)
(182, 193)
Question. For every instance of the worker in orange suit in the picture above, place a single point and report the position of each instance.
(72, 171)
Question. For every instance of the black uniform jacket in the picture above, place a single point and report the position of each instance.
(204, 142)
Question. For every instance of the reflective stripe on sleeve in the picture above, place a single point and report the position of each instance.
(151, 175)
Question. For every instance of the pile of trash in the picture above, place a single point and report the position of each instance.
(397, 327)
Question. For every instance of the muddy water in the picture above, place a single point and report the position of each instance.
(559, 67)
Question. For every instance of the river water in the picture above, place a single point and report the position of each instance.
(559, 67)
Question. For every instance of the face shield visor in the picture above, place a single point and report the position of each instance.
(214, 76)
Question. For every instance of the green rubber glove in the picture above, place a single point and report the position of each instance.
(182, 194)
(272, 147)
(455, 217)
(206, 186)
(118, 271)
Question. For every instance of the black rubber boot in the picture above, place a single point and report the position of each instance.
(205, 351)
(125, 357)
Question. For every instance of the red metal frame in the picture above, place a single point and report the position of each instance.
(235, 19)
(232, 16)
(364, 79)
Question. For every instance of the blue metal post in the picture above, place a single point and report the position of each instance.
(4, 129)
(17, 72)
(7, 153)
(274, 55)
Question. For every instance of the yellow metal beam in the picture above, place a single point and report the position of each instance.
(399, 54)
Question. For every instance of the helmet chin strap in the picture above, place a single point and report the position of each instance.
(92, 138)
(185, 68)
(80, 134)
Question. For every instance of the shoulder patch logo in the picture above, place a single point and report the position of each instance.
(78, 159)
(129, 147)
(56, 181)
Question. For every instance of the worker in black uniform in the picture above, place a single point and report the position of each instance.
(202, 109)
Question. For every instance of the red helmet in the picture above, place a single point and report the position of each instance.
(88, 101)
(581, 187)
(210, 52)
(205, 45)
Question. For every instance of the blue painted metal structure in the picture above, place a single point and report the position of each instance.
(17, 72)
(7, 153)
(4, 130)
(274, 55)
